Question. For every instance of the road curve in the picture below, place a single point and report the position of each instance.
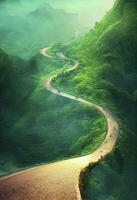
(44, 52)
(60, 180)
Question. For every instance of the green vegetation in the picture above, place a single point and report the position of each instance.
(108, 75)
(37, 126)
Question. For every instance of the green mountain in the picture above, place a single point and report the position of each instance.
(35, 125)
(108, 74)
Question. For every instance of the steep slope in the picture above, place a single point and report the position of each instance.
(36, 126)
(108, 74)
(16, 86)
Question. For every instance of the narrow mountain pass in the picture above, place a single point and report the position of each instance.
(59, 180)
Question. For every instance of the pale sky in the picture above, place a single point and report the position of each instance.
(76, 5)
(89, 11)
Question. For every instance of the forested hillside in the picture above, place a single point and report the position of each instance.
(35, 125)
(108, 74)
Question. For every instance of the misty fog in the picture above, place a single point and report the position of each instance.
(26, 26)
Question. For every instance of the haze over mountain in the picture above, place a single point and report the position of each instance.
(25, 26)
(23, 33)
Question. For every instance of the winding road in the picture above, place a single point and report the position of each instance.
(59, 180)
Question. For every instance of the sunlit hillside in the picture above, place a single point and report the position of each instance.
(108, 74)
